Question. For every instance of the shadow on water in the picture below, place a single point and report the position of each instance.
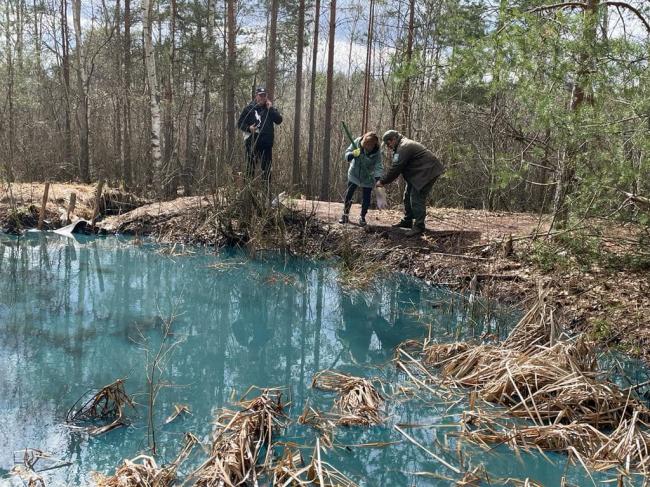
(76, 314)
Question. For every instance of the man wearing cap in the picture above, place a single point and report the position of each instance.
(258, 120)
(420, 169)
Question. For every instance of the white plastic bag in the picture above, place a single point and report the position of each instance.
(380, 196)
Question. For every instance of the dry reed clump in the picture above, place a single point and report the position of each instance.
(239, 439)
(143, 471)
(291, 470)
(549, 386)
(626, 448)
(551, 382)
(106, 405)
(358, 401)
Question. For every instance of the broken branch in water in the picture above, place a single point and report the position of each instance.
(106, 405)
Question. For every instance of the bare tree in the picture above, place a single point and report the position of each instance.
(231, 37)
(271, 55)
(312, 101)
(170, 178)
(65, 65)
(408, 59)
(327, 136)
(295, 173)
(82, 95)
(10, 137)
(127, 172)
(367, 78)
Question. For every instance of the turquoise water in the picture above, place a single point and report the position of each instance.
(76, 315)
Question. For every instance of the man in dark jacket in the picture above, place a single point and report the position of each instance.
(258, 121)
(420, 169)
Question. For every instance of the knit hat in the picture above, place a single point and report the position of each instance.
(390, 134)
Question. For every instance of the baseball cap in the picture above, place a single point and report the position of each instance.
(260, 90)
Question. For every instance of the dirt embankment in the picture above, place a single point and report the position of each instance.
(20, 204)
(488, 253)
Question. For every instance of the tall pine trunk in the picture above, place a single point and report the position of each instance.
(127, 170)
(312, 103)
(231, 37)
(271, 55)
(65, 68)
(367, 78)
(329, 91)
(295, 172)
(408, 59)
(82, 95)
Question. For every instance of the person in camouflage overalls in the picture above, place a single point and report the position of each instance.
(365, 169)
(420, 169)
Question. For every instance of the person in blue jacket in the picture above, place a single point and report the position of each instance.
(365, 169)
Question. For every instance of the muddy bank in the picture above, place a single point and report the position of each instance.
(494, 255)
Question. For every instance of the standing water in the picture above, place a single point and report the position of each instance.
(78, 314)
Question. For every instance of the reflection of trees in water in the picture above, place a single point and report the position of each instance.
(85, 302)
(390, 313)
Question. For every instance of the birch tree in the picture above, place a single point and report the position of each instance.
(154, 95)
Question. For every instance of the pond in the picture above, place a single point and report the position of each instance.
(77, 314)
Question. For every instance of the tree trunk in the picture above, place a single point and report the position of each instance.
(82, 95)
(127, 172)
(154, 96)
(231, 28)
(581, 93)
(119, 98)
(327, 136)
(408, 59)
(65, 61)
(295, 173)
(8, 161)
(367, 79)
(271, 54)
(198, 135)
(312, 102)
(169, 154)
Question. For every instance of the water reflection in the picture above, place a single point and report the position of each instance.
(76, 314)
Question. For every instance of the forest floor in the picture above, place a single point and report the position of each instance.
(595, 284)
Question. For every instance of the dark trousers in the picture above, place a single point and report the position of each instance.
(415, 203)
(261, 154)
(365, 204)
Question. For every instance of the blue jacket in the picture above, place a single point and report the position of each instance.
(366, 168)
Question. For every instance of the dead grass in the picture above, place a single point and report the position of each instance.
(143, 471)
(358, 402)
(239, 440)
(548, 379)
